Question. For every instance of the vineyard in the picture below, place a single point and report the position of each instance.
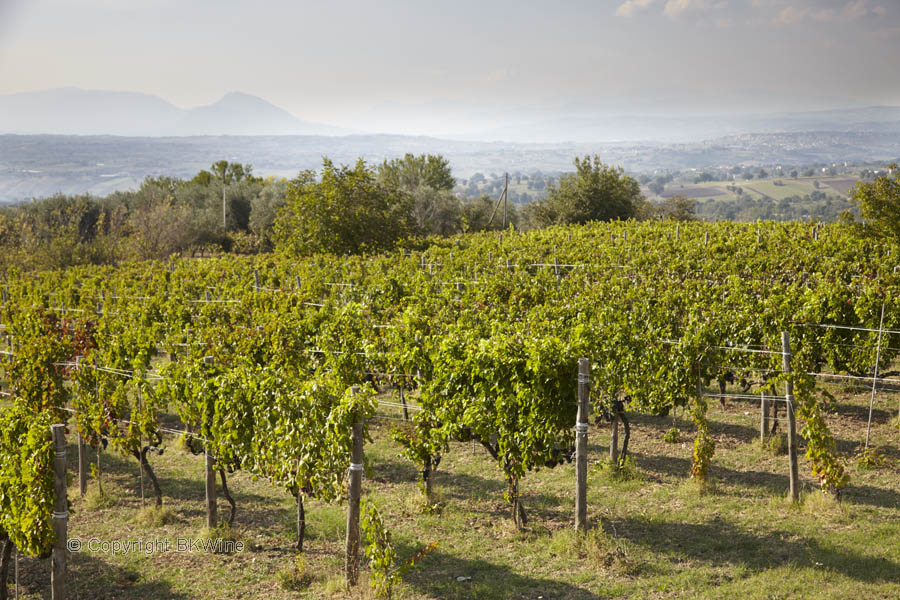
(457, 363)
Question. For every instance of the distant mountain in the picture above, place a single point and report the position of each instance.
(242, 114)
(73, 111)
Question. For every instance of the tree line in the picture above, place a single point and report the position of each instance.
(338, 209)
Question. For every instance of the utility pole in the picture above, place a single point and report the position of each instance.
(505, 197)
(224, 224)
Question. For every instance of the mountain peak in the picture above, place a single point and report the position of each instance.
(242, 98)
(79, 111)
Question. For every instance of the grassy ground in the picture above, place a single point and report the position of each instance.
(656, 534)
(757, 188)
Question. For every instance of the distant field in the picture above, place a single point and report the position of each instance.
(842, 186)
(696, 191)
(757, 188)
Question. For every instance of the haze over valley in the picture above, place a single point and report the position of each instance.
(76, 141)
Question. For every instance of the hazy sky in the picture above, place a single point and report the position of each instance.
(353, 62)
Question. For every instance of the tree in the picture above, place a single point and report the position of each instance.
(263, 208)
(225, 174)
(429, 181)
(678, 208)
(412, 172)
(436, 212)
(229, 172)
(162, 229)
(879, 204)
(347, 211)
(594, 192)
(477, 211)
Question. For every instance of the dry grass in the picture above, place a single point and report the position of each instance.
(656, 533)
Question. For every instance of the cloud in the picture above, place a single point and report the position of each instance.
(672, 8)
(857, 8)
(851, 10)
(826, 14)
(629, 7)
(790, 15)
(677, 8)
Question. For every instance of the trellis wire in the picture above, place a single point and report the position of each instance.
(398, 405)
(163, 429)
(744, 397)
(829, 326)
(854, 377)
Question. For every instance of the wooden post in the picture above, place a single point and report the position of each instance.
(706, 239)
(764, 415)
(60, 515)
(356, 468)
(256, 279)
(82, 455)
(82, 467)
(792, 424)
(211, 504)
(581, 427)
(677, 233)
